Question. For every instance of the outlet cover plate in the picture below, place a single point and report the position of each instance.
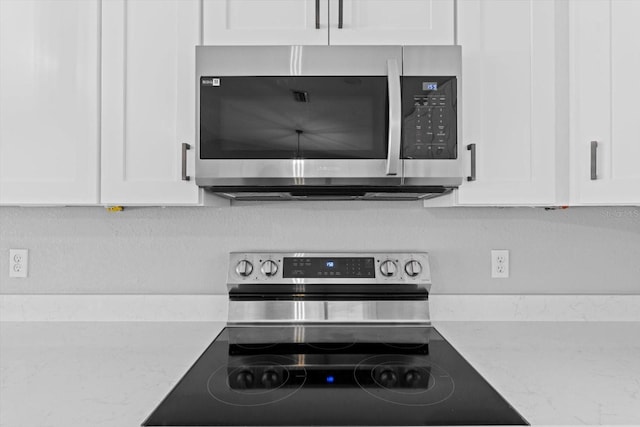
(18, 263)
(500, 263)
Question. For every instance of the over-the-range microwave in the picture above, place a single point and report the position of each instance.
(328, 122)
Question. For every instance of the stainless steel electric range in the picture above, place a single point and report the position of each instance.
(331, 339)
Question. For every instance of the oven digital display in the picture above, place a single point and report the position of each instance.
(328, 268)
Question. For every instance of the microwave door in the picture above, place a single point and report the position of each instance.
(333, 119)
(395, 117)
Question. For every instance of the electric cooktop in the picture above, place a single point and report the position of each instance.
(332, 375)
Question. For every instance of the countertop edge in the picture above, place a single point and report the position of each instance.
(214, 308)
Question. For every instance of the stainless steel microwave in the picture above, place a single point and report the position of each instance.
(329, 122)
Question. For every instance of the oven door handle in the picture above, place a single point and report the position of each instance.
(395, 117)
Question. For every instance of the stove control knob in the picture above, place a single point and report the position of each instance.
(269, 268)
(388, 268)
(388, 378)
(413, 268)
(244, 379)
(244, 268)
(270, 379)
(412, 377)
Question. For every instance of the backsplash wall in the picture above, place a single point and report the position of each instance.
(185, 250)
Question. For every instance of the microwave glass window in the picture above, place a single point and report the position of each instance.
(294, 117)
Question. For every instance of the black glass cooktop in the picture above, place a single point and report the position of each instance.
(332, 376)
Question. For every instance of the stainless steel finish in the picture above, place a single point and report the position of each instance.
(289, 304)
(290, 172)
(472, 148)
(368, 196)
(594, 160)
(320, 172)
(340, 14)
(422, 281)
(323, 172)
(398, 311)
(395, 117)
(436, 61)
(185, 147)
(388, 268)
(413, 268)
(269, 268)
(432, 61)
(221, 61)
(317, 14)
(244, 268)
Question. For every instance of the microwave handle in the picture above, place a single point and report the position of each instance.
(395, 117)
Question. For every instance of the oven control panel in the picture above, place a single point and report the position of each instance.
(330, 268)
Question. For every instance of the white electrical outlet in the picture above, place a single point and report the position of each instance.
(500, 264)
(18, 262)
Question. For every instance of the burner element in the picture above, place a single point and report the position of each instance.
(253, 340)
(237, 385)
(398, 379)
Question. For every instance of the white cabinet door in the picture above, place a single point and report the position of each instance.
(265, 22)
(49, 101)
(397, 22)
(508, 100)
(605, 90)
(148, 100)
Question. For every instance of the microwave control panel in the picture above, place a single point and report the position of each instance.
(429, 111)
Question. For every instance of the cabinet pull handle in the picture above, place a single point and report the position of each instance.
(340, 14)
(472, 148)
(185, 147)
(317, 14)
(594, 160)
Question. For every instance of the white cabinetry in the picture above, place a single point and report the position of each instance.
(260, 22)
(49, 102)
(148, 100)
(321, 22)
(397, 22)
(605, 94)
(509, 100)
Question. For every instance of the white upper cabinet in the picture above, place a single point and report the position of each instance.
(605, 94)
(321, 22)
(265, 22)
(49, 102)
(509, 101)
(148, 100)
(396, 22)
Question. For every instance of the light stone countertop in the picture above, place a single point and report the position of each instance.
(115, 373)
